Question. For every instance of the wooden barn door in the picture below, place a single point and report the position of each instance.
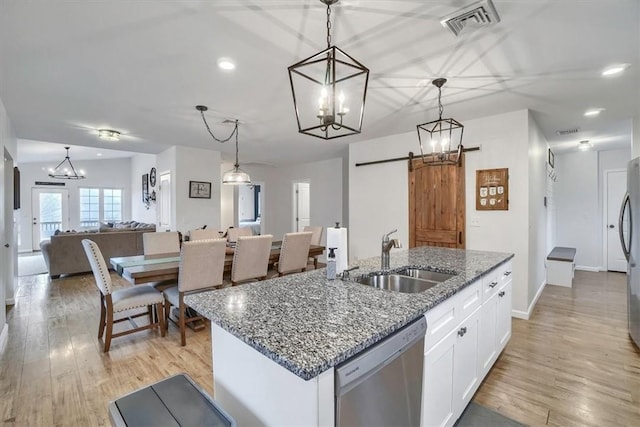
(436, 205)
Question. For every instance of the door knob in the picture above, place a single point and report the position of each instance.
(6, 245)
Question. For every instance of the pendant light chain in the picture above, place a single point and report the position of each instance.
(221, 141)
(440, 107)
(328, 25)
(236, 130)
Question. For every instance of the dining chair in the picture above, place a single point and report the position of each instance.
(234, 232)
(316, 239)
(294, 253)
(200, 234)
(160, 242)
(251, 258)
(201, 268)
(120, 300)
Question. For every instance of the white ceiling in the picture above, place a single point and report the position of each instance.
(68, 68)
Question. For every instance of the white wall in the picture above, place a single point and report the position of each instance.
(325, 178)
(378, 194)
(141, 164)
(246, 203)
(226, 200)
(8, 260)
(109, 173)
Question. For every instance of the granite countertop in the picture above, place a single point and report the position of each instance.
(309, 324)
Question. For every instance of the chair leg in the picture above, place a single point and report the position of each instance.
(103, 313)
(107, 339)
(151, 316)
(160, 316)
(181, 309)
(167, 311)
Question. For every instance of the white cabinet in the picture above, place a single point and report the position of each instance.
(465, 335)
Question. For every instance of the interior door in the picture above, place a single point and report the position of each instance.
(164, 194)
(616, 188)
(303, 211)
(437, 205)
(50, 212)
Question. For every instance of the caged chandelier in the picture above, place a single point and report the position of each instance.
(324, 86)
(65, 169)
(236, 175)
(441, 134)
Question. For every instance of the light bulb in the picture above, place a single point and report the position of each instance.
(444, 142)
(341, 104)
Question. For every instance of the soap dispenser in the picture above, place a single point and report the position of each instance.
(331, 264)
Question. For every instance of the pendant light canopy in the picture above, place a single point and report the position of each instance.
(329, 91)
(236, 175)
(65, 169)
(440, 135)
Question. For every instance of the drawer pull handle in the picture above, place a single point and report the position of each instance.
(462, 331)
(501, 294)
(493, 285)
(507, 273)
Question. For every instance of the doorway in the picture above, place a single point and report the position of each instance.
(251, 207)
(301, 205)
(50, 212)
(437, 205)
(164, 202)
(615, 187)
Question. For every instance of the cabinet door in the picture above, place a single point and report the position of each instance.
(487, 338)
(465, 373)
(437, 386)
(503, 324)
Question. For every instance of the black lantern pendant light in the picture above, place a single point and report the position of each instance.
(65, 169)
(441, 135)
(329, 91)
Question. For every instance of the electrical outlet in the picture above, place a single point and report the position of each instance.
(475, 221)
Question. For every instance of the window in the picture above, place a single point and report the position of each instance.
(100, 205)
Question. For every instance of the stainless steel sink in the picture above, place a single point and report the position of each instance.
(398, 283)
(432, 276)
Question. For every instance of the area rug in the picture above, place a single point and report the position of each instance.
(478, 416)
(30, 265)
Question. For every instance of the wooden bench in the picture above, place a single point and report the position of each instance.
(561, 266)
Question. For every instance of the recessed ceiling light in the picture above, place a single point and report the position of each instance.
(109, 134)
(593, 112)
(226, 64)
(99, 154)
(584, 145)
(614, 69)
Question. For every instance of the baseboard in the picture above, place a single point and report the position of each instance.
(527, 314)
(10, 301)
(4, 337)
(587, 268)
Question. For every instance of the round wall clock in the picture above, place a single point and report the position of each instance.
(152, 177)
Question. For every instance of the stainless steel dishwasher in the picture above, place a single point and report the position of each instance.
(382, 386)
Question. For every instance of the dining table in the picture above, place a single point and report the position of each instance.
(139, 269)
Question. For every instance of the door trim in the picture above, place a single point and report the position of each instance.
(605, 196)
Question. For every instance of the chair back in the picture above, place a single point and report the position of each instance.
(251, 257)
(98, 266)
(316, 238)
(233, 233)
(201, 264)
(294, 252)
(160, 242)
(207, 233)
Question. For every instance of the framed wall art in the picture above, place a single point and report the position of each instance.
(145, 188)
(492, 189)
(199, 190)
(551, 159)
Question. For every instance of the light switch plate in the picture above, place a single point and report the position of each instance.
(475, 221)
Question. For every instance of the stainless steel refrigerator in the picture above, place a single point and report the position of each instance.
(630, 214)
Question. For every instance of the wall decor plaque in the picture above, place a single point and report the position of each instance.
(492, 189)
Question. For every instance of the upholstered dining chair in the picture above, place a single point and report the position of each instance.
(251, 258)
(207, 233)
(201, 268)
(294, 253)
(233, 233)
(120, 300)
(160, 242)
(316, 239)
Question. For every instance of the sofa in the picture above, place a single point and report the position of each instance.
(64, 253)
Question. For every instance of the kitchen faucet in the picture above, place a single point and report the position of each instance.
(387, 244)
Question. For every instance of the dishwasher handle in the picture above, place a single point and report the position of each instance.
(357, 369)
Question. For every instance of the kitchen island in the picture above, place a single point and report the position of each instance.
(276, 342)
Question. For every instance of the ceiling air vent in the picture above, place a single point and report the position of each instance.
(476, 15)
(568, 131)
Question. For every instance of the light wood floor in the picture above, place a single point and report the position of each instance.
(571, 364)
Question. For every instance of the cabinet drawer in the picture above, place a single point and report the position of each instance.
(504, 272)
(493, 280)
(444, 317)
